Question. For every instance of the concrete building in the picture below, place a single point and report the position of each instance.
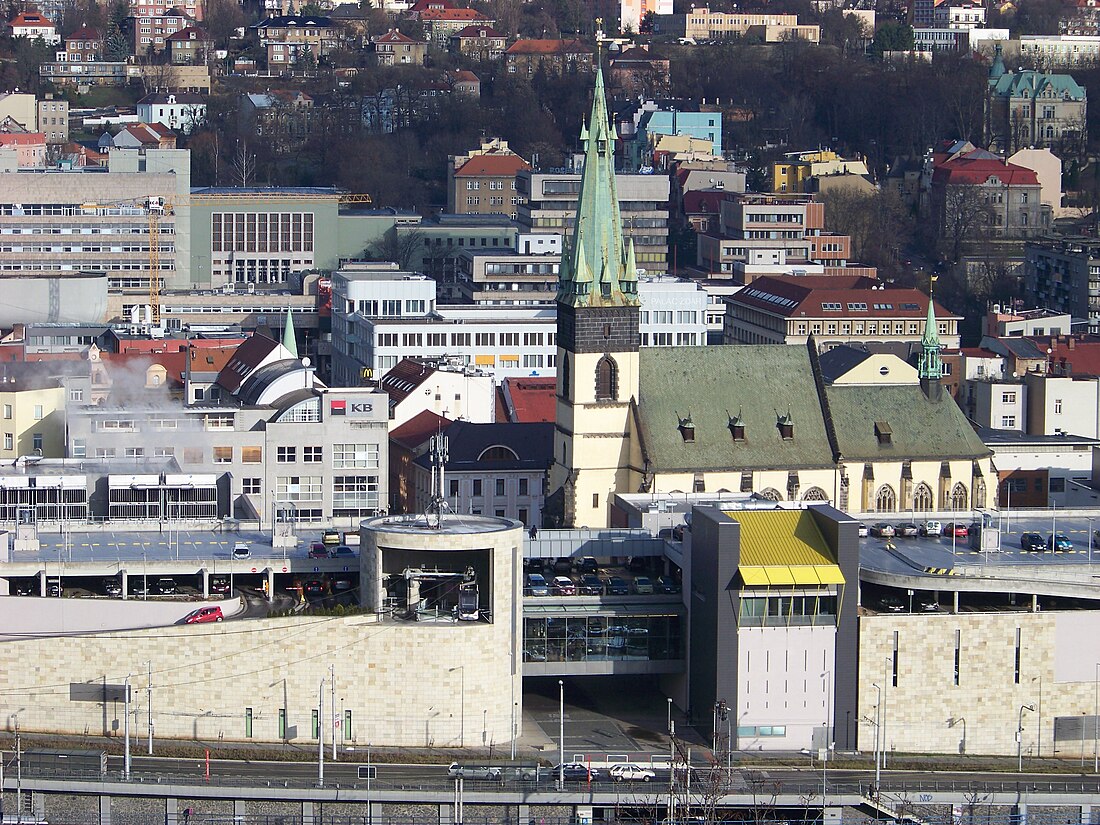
(396, 49)
(275, 437)
(1063, 275)
(1050, 51)
(53, 119)
(525, 274)
(673, 312)
(483, 181)
(797, 171)
(633, 12)
(99, 220)
(180, 111)
(33, 397)
(149, 33)
(1040, 470)
(643, 203)
(446, 390)
(21, 108)
(700, 23)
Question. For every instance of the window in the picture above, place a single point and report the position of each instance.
(9, 441)
(1057, 406)
(499, 486)
(351, 495)
(251, 455)
(79, 447)
(1008, 397)
(1057, 485)
(251, 486)
(349, 456)
(523, 487)
(477, 488)
(164, 452)
(1008, 421)
(311, 455)
(607, 379)
(299, 488)
(7, 411)
(135, 452)
(76, 395)
(286, 455)
(192, 455)
(452, 488)
(223, 455)
(36, 441)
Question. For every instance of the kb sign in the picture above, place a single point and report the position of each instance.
(350, 407)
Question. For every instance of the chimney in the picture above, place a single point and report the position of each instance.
(1071, 342)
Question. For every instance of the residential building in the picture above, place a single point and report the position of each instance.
(33, 396)
(139, 136)
(179, 111)
(1004, 321)
(1063, 275)
(29, 148)
(638, 71)
(643, 203)
(641, 125)
(20, 108)
(1058, 404)
(964, 15)
(798, 170)
(483, 182)
(1048, 51)
(444, 388)
(409, 441)
(149, 33)
(90, 210)
(1029, 109)
(633, 12)
(700, 23)
(394, 48)
(100, 73)
(479, 42)
(496, 469)
(35, 26)
(274, 436)
(524, 274)
(161, 8)
(85, 45)
(1047, 167)
(191, 46)
(998, 402)
(525, 57)
(53, 119)
(285, 37)
(441, 19)
(834, 310)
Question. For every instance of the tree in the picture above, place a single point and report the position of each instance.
(158, 77)
(244, 165)
(892, 37)
(221, 19)
(116, 47)
(396, 247)
(965, 216)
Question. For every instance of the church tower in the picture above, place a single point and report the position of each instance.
(597, 363)
(930, 367)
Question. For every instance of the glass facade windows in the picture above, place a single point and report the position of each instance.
(602, 638)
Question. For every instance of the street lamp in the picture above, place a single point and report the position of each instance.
(668, 727)
(959, 720)
(1096, 720)
(1090, 520)
(462, 703)
(878, 733)
(828, 677)
(1020, 737)
(561, 734)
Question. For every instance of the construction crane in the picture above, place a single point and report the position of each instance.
(352, 197)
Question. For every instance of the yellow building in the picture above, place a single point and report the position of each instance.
(32, 420)
(795, 172)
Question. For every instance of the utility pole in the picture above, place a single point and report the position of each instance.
(321, 734)
(126, 726)
(18, 771)
(149, 702)
(332, 698)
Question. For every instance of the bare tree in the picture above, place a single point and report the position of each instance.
(158, 77)
(244, 164)
(397, 247)
(966, 216)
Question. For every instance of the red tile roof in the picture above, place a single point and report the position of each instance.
(22, 139)
(703, 201)
(537, 46)
(84, 33)
(529, 400)
(31, 19)
(403, 379)
(495, 166)
(465, 76)
(424, 5)
(805, 295)
(418, 429)
(394, 36)
(967, 170)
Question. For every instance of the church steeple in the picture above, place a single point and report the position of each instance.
(930, 368)
(289, 340)
(598, 270)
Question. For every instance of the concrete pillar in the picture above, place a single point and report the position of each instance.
(205, 583)
(125, 583)
(104, 810)
(310, 813)
(955, 602)
(171, 810)
(1034, 602)
(270, 573)
(447, 814)
(833, 814)
(238, 810)
(42, 582)
(1021, 813)
(524, 815)
(1086, 815)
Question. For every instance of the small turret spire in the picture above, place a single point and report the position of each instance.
(931, 367)
(289, 340)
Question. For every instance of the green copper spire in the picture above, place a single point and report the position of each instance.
(597, 269)
(930, 366)
(289, 341)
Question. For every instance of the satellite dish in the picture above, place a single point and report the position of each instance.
(305, 362)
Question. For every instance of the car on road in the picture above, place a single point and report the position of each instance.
(204, 615)
(616, 586)
(631, 773)
(1032, 542)
(667, 584)
(219, 585)
(882, 530)
(112, 586)
(315, 588)
(931, 528)
(863, 531)
(891, 604)
(575, 772)
(24, 588)
(457, 771)
(536, 585)
(165, 587)
(643, 585)
(956, 529)
(564, 586)
(908, 529)
(1060, 543)
(317, 550)
(591, 585)
(242, 551)
(342, 551)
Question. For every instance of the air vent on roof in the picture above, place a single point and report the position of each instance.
(736, 426)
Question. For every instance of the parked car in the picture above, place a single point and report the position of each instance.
(112, 586)
(891, 604)
(330, 537)
(615, 586)
(138, 586)
(931, 528)
(575, 772)
(317, 550)
(956, 529)
(1032, 542)
(631, 773)
(643, 585)
(564, 586)
(667, 584)
(637, 564)
(588, 565)
(563, 565)
(536, 585)
(882, 530)
(591, 585)
(1060, 543)
(165, 586)
(863, 531)
(456, 770)
(204, 615)
(974, 528)
(341, 584)
(907, 529)
(315, 588)
(219, 585)
(928, 604)
(242, 551)
(24, 588)
(342, 551)
(54, 588)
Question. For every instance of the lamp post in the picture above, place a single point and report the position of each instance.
(321, 734)
(1096, 720)
(126, 727)
(561, 734)
(828, 677)
(462, 704)
(878, 732)
(668, 726)
(885, 684)
(959, 720)
(1020, 737)
(1090, 520)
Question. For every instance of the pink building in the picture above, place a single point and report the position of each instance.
(30, 147)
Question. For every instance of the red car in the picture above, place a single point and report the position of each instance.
(956, 529)
(204, 615)
(317, 550)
